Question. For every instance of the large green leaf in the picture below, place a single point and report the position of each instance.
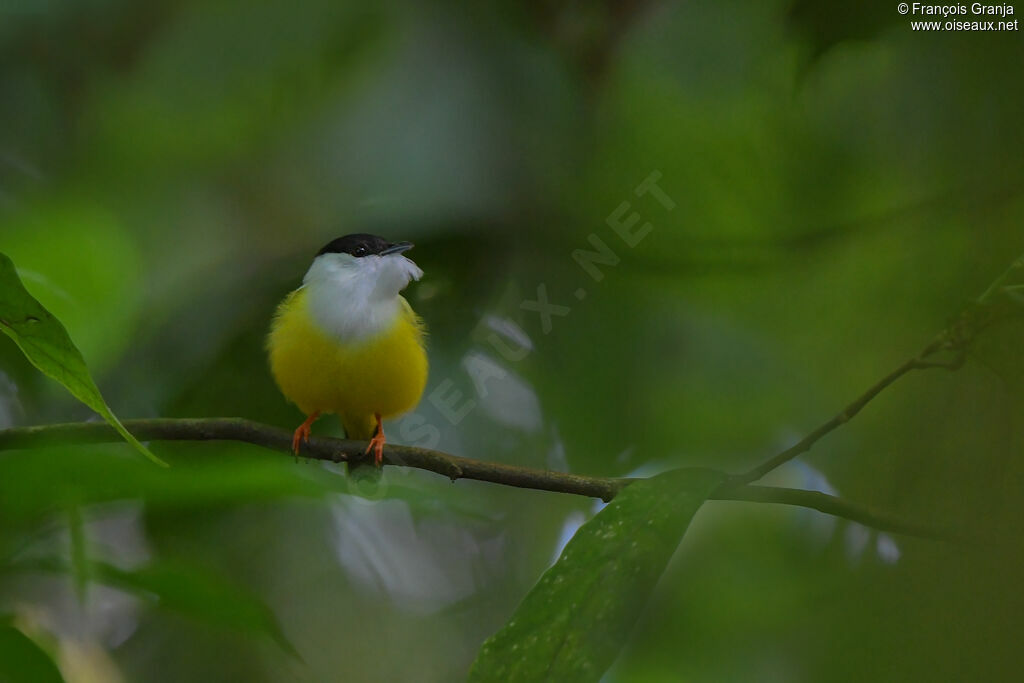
(22, 661)
(573, 623)
(48, 346)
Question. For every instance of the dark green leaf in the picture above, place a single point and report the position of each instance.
(47, 345)
(573, 623)
(204, 475)
(199, 594)
(22, 661)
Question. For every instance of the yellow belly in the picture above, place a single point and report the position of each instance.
(383, 374)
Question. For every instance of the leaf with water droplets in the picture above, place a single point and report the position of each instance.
(573, 623)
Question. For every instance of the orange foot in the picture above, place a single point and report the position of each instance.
(377, 443)
(301, 434)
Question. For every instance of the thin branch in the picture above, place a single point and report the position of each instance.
(837, 507)
(1000, 281)
(957, 338)
(452, 466)
(317, 448)
(918, 362)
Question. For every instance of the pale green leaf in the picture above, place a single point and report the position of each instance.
(47, 345)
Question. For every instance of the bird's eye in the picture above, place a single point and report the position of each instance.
(359, 251)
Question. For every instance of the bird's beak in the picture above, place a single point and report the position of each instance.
(397, 248)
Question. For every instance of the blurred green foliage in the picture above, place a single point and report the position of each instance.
(841, 186)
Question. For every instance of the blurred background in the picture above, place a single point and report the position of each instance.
(831, 188)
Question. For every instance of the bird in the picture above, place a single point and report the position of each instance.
(347, 342)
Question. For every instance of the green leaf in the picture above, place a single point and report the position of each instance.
(204, 475)
(45, 342)
(180, 588)
(573, 623)
(199, 594)
(23, 661)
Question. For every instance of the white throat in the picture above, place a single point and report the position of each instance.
(357, 298)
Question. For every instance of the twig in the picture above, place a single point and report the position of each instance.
(838, 507)
(957, 338)
(452, 466)
(1001, 280)
(918, 362)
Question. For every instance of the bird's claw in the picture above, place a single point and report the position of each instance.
(300, 437)
(301, 434)
(377, 446)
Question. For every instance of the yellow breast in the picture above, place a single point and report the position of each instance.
(384, 374)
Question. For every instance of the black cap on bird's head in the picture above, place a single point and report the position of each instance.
(362, 265)
(362, 244)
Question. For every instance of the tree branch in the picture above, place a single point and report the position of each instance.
(452, 466)
(317, 448)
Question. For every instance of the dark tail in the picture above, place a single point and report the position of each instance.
(361, 429)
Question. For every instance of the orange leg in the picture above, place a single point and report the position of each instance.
(301, 434)
(377, 443)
